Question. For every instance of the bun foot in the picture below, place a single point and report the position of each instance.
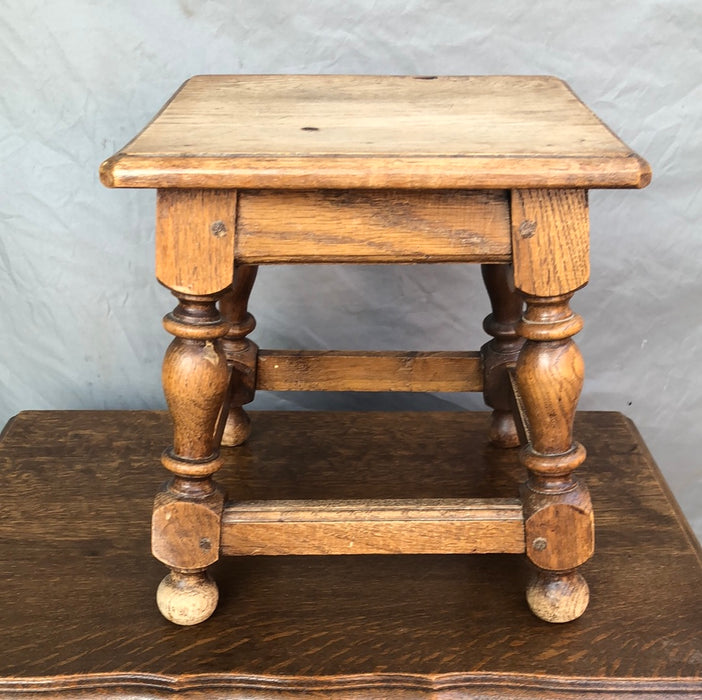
(503, 430)
(558, 597)
(237, 428)
(187, 598)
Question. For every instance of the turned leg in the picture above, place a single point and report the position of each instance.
(557, 510)
(501, 353)
(241, 353)
(187, 512)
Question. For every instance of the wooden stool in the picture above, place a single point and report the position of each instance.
(255, 170)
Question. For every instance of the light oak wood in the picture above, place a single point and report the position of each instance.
(334, 131)
(185, 525)
(347, 370)
(195, 240)
(550, 374)
(559, 526)
(550, 239)
(195, 377)
(419, 526)
(372, 227)
(356, 169)
(558, 597)
(187, 599)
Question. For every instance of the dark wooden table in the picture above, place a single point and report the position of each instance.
(78, 617)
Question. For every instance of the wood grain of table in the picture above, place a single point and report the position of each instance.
(78, 616)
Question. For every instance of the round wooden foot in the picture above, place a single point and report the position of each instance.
(187, 599)
(558, 597)
(503, 430)
(237, 428)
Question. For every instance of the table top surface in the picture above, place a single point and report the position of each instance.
(77, 600)
(341, 131)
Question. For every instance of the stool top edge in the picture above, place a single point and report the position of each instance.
(343, 131)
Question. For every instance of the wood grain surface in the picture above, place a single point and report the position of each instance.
(335, 131)
(79, 619)
(359, 370)
(390, 226)
(373, 526)
(550, 241)
(195, 240)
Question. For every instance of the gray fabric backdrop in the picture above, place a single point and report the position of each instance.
(81, 310)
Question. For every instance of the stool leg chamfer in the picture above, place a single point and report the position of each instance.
(241, 353)
(501, 353)
(187, 515)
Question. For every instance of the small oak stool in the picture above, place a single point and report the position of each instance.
(254, 170)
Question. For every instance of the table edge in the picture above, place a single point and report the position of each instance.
(451, 685)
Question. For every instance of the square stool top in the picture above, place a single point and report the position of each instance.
(343, 131)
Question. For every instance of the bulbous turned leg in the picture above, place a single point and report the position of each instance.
(241, 353)
(186, 522)
(559, 527)
(501, 353)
